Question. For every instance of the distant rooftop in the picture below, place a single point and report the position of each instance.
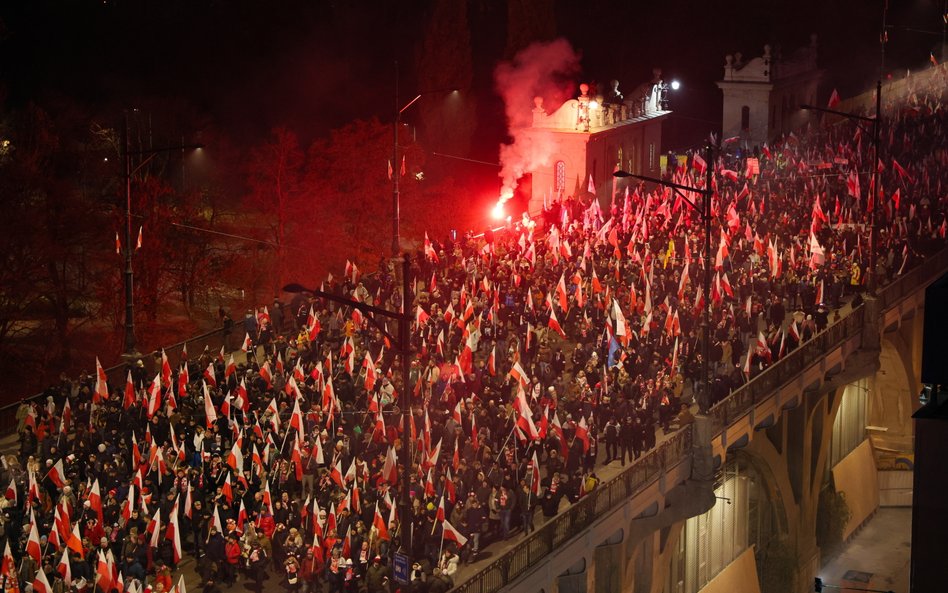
(586, 114)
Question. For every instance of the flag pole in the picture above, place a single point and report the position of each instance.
(441, 547)
(496, 461)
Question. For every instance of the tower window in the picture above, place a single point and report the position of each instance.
(745, 118)
(559, 177)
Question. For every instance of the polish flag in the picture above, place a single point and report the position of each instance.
(33, 543)
(130, 395)
(370, 374)
(492, 361)
(231, 367)
(379, 523)
(561, 294)
(241, 516)
(312, 325)
(449, 532)
(558, 431)
(518, 374)
(95, 500)
(429, 483)
(554, 324)
(101, 383)
(297, 458)
(726, 285)
(11, 491)
(209, 412)
(247, 343)
(165, 370)
(210, 375)
(56, 474)
(266, 374)
(833, 100)
(235, 459)
(390, 467)
(336, 474)
(41, 583)
(430, 252)
(421, 317)
(432, 459)
(227, 489)
(582, 433)
(698, 163)
(183, 380)
(103, 573)
(154, 397)
(794, 331)
(173, 531)
(525, 419)
(64, 568)
(296, 418)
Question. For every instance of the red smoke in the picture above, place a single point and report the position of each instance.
(544, 70)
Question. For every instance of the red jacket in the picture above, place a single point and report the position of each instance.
(232, 550)
(266, 524)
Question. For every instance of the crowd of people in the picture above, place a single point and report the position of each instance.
(283, 458)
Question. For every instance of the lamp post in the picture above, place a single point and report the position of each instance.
(404, 350)
(131, 350)
(705, 212)
(396, 168)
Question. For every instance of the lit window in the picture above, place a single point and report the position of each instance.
(559, 177)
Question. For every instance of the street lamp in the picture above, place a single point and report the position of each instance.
(396, 166)
(705, 212)
(131, 351)
(404, 350)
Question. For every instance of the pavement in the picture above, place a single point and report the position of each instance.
(877, 557)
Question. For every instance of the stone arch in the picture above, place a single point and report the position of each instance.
(892, 389)
(698, 548)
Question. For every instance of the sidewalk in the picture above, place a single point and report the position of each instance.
(878, 556)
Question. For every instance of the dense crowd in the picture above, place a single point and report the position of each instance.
(531, 345)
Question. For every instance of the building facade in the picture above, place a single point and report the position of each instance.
(589, 138)
(762, 96)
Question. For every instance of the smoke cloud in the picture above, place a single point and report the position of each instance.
(544, 70)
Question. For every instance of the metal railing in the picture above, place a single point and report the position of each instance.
(741, 400)
(535, 547)
(531, 550)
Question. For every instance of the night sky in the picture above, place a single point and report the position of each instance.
(245, 66)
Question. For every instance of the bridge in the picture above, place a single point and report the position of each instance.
(748, 478)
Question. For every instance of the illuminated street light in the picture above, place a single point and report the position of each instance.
(131, 352)
(675, 85)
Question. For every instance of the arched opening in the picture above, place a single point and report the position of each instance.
(744, 515)
(745, 118)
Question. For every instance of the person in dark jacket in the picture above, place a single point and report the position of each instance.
(376, 577)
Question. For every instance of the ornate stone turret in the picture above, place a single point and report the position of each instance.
(762, 95)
